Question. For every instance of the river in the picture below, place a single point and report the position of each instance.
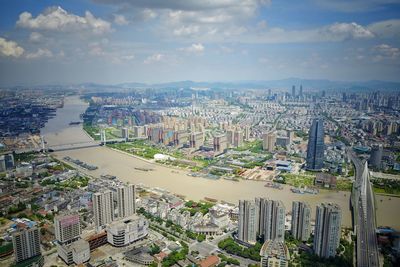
(58, 131)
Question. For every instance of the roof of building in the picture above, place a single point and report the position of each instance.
(276, 249)
(209, 261)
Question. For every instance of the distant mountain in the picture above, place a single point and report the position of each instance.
(308, 84)
(283, 83)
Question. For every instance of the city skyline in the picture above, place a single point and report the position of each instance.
(112, 42)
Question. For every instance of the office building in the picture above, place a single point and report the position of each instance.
(126, 198)
(327, 229)
(269, 141)
(274, 253)
(248, 221)
(6, 162)
(301, 220)
(103, 209)
(220, 143)
(293, 91)
(301, 91)
(315, 147)
(67, 228)
(26, 243)
(124, 232)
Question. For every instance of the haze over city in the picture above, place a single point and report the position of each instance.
(165, 133)
(102, 41)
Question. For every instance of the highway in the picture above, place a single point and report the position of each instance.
(364, 220)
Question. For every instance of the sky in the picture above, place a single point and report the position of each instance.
(152, 41)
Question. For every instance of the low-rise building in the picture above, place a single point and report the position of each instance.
(274, 253)
(77, 252)
(126, 231)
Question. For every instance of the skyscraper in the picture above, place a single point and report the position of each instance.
(67, 228)
(126, 200)
(301, 91)
(26, 242)
(269, 141)
(103, 209)
(327, 229)
(301, 220)
(293, 91)
(274, 222)
(248, 219)
(315, 148)
(375, 159)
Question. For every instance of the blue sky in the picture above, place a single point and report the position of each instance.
(115, 41)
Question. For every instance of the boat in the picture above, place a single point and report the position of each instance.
(75, 123)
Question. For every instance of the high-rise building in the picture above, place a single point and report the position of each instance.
(274, 253)
(238, 138)
(248, 220)
(274, 222)
(293, 91)
(67, 228)
(315, 148)
(247, 131)
(301, 220)
(220, 143)
(269, 141)
(196, 140)
(126, 231)
(26, 243)
(327, 229)
(126, 198)
(301, 91)
(103, 209)
(375, 159)
(125, 133)
(229, 137)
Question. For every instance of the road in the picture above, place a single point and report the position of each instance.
(364, 215)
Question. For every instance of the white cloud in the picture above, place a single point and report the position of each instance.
(120, 20)
(386, 51)
(57, 19)
(148, 14)
(194, 48)
(40, 53)
(154, 58)
(344, 31)
(10, 48)
(35, 37)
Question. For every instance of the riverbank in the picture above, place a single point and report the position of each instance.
(127, 168)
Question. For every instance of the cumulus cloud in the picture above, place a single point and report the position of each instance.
(386, 51)
(194, 48)
(10, 48)
(154, 58)
(40, 53)
(345, 31)
(57, 19)
(120, 19)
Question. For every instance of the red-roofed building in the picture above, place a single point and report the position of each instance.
(210, 261)
(160, 256)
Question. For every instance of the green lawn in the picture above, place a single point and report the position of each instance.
(298, 180)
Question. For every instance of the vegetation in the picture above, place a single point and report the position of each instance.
(194, 207)
(92, 131)
(344, 184)
(139, 148)
(386, 186)
(226, 260)
(176, 256)
(230, 246)
(297, 180)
